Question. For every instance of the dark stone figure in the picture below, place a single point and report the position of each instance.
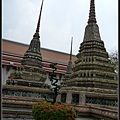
(54, 83)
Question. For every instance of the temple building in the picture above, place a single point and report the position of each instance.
(88, 80)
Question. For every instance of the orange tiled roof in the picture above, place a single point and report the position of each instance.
(47, 54)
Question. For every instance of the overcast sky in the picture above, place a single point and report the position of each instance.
(61, 20)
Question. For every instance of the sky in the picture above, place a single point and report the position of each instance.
(60, 20)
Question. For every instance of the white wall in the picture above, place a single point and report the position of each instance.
(5, 75)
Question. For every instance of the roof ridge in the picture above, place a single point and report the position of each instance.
(41, 47)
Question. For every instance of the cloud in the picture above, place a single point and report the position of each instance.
(21, 20)
(61, 20)
(12, 33)
(55, 36)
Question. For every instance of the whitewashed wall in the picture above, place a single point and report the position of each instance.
(6, 74)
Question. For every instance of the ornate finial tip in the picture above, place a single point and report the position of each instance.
(92, 18)
(38, 24)
(71, 40)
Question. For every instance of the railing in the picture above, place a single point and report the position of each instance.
(101, 101)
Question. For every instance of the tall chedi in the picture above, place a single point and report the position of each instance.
(69, 66)
(26, 85)
(92, 69)
(30, 72)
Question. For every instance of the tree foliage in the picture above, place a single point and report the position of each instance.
(113, 55)
(48, 111)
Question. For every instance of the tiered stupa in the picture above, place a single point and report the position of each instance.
(27, 84)
(93, 81)
(30, 72)
(92, 68)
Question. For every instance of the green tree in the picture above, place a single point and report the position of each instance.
(113, 56)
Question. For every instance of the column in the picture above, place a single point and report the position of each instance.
(69, 97)
(82, 99)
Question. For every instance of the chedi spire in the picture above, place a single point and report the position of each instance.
(71, 49)
(35, 42)
(92, 18)
(69, 66)
(38, 24)
(92, 29)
